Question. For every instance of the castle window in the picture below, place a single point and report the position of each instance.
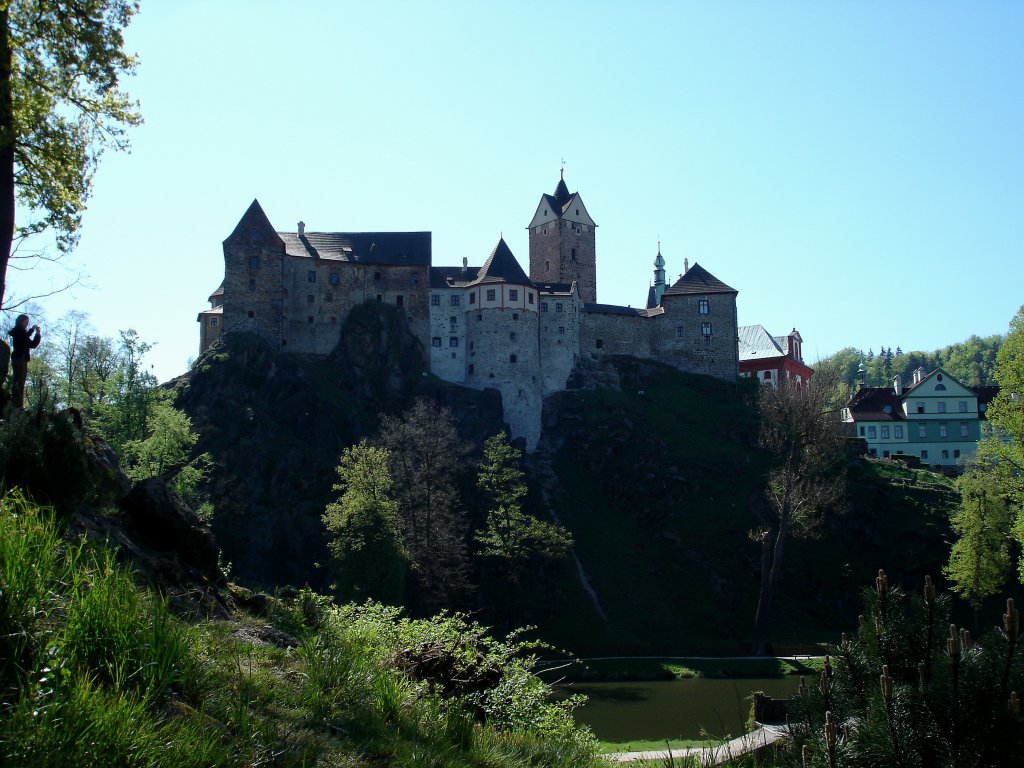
(380, 297)
(512, 336)
(436, 342)
(573, 254)
(702, 307)
(451, 324)
(512, 358)
(885, 433)
(577, 211)
(471, 368)
(920, 407)
(454, 300)
(897, 431)
(558, 306)
(479, 318)
(963, 406)
(310, 320)
(335, 278)
(942, 405)
(561, 330)
(252, 285)
(545, 231)
(680, 331)
(490, 294)
(767, 375)
(600, 344)
(213, 322)
(311, 276)
(513, 295)
(310, 298)
(254, 262)
(862, 431)
(529, 298)
(453, 355)
(543, 306)
(453, 341)
(376, 275)
(922, 430)
(399, 300)
(707, 341)
(940, 387)
(924, 454)
(945, 454)
(334, 321)
(471, 346)
(251, 314)
(435, 300)
(956, 453)
(705, 328)
(963, 429)
(515, 315)
(415, 279)
(943, 431)
(872, 433)
(472, 298)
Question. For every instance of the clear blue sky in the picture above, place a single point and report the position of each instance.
(855, 170)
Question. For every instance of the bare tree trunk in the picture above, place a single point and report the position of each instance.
(6, 151)
(771, 569)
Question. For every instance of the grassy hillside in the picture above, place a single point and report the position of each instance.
(658, 480)
(95, 671)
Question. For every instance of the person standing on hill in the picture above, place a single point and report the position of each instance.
(24, 339)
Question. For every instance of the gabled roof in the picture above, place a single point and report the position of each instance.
(254, 228)
(876, 404)
(941, 386)
(757, 344)
(614, 309)
(218, 292)
(501, 267)
(565, 288)
(698, 280)
(452, 277)
(388, 248)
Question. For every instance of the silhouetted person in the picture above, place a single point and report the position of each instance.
(24, 339)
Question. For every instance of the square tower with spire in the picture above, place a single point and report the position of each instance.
(562, 247)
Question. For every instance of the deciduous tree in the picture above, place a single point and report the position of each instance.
(800, 427)
(365, 531)
(61, 105)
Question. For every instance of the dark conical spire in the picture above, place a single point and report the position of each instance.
(562, 194)
(254, 227)
(502, 265)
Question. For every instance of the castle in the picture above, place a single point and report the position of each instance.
(483, 327)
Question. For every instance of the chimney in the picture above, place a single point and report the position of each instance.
(918, 375)
(686, 266)
(302, 228)
(897, 386)
(465, 264)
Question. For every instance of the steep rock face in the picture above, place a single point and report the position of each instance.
(275, 424)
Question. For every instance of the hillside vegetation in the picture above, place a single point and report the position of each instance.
(97, 671)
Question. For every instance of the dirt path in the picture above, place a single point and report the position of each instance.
(761, 736)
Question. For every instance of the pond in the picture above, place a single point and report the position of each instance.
(673, 709)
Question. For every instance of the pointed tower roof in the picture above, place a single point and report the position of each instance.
(501, 267)
(659, 260)
(255, 228)
(562, 194)
(698, 280)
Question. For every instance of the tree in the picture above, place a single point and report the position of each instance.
(60, 106)
(425, 458)
(510, 537)
(365, 529)
(979, 561)
(800, 428)
(125, 414)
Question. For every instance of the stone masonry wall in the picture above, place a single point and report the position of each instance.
(559, 339)
(253, 289)
(608, 334)
(448, 343)
(682, 343)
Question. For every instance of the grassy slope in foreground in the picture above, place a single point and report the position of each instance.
(94, 671)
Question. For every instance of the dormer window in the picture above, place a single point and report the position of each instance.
(254, 262)
(311, 276)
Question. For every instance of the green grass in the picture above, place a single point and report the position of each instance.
(652, 745)
(94, 671)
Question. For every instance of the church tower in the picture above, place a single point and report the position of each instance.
(562, 248)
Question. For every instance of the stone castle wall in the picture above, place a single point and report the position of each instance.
(681, 340)
(559, 339)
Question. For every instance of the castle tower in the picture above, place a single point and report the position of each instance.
(562, 247)
(253, 288)
(502, 330)
(658, 286)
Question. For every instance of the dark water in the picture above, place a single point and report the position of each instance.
(673, 709)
